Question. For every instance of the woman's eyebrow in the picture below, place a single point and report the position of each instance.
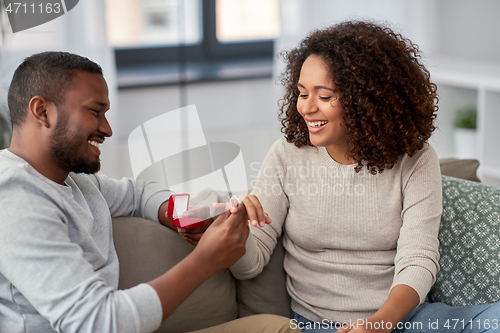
(323, 87)
(317, 87)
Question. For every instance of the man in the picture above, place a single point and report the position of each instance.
(58, 264)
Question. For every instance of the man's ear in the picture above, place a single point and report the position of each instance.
(39, 109)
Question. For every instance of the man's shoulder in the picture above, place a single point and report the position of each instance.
(13, 168)
(20, 182)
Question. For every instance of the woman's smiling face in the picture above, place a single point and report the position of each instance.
(318, 105)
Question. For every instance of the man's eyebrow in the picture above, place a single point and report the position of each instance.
(317, 87)
(101, 104)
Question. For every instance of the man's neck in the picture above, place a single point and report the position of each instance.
(40, 160)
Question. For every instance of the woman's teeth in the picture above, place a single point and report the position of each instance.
(317, 123)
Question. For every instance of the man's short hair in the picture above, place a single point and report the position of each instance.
(47, 74)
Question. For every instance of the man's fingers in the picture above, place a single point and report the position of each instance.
(238, 218)
(195, 230)
(188, 233)
(222, 217)
(189, 238)
(193, 237)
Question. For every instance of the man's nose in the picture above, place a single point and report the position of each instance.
(104, 127)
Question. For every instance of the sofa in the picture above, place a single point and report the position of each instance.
(470, 259)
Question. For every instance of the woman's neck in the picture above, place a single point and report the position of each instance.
(339, 155)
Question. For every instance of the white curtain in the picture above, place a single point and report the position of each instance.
(81, 30)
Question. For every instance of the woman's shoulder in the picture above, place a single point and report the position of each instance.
(283, 146)
(427, 153)
(287, 153)
(424, 160)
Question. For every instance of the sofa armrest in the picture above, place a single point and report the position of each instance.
(460, 168)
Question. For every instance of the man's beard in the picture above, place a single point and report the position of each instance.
(65, 149)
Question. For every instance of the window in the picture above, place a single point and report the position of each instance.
(136, 23)
(146, 32)
(246, 20)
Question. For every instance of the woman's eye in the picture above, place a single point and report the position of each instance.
(303, 96)
(325, 98)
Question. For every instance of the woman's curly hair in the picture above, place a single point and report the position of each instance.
(388, 101)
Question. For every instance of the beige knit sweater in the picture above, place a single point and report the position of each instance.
(349, 237)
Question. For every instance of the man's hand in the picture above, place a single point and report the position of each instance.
(221, 246)
(193, 235)
(223, 243)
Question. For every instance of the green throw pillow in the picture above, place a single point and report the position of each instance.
(469, 239)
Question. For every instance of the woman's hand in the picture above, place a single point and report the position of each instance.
(368, 325)
(401, 301)
(255, 212)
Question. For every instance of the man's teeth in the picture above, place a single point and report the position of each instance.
(317, 123)
(94, 143)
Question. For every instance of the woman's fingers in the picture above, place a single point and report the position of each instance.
(200, 212)
(255, 212)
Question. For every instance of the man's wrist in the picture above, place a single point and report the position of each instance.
(162, 216)
(201, 263)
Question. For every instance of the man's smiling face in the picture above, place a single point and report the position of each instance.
(81, 124)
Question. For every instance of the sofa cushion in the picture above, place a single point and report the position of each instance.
(469, 244)
(147, 249)
(266, 293)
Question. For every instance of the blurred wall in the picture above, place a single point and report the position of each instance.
(469, 29)
(456, 28)
(239, 111)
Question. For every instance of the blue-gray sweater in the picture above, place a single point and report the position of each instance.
(58, 264)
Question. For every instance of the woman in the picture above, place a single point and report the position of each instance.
(354, 185)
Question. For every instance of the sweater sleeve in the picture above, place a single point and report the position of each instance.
(126, 197)
(270, 191)
(42, 266)
(416, 261)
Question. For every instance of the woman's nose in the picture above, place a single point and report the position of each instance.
(309, 105)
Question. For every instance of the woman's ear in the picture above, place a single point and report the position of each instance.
(39, 110)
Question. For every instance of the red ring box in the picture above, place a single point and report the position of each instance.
(177, 205)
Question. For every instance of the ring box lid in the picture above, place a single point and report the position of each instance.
(177, 205)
